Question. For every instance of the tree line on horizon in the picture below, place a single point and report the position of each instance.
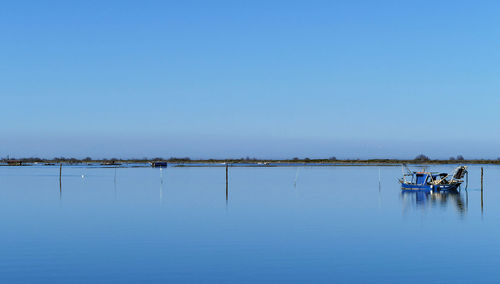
(418, 158)
(424, 158)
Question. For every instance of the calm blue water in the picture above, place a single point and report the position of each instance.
(280, 225)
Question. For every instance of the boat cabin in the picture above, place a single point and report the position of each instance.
(426, 177)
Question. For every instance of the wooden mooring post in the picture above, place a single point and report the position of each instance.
(227, 193)
(60, 181)
(482, 174)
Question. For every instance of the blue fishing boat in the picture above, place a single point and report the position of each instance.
(432, 180)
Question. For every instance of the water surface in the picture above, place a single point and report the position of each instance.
(339, 224)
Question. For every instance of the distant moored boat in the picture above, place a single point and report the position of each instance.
(159, 164)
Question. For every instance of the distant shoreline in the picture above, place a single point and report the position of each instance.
(241, 162)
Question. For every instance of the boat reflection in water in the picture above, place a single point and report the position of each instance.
(423, 199)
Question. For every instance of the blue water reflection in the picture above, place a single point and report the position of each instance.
(428, 199)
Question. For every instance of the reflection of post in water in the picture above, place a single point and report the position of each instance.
(379, 185)
(379, 190)
(114, 184)
(296, 177)
(161, 186)
(60, 181)
(466, 198)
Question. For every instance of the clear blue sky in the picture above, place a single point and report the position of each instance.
(351, 79)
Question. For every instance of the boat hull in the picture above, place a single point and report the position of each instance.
(448, 187)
